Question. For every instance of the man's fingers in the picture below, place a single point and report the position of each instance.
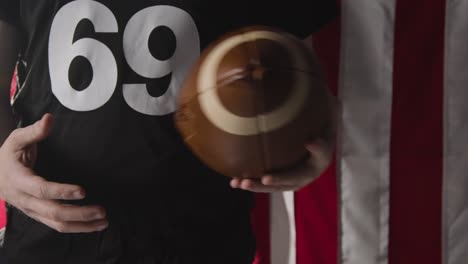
(58, 212)
(40, 188)
(235, 183)
(23, 137)
(287, 180)
(256, 186)
(293, 177)
(320, 154)
(70, 227)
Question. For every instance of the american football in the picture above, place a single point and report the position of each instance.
(252, 100)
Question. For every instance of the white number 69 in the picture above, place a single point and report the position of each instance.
(62, 51)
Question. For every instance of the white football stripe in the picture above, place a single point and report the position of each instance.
(225, 120)
(365, 83)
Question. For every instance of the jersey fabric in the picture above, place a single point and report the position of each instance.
(110, 72)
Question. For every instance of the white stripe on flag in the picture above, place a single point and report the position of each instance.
(456, 134)
(366, 95)
(283, 228)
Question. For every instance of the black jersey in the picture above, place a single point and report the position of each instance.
(110, 72)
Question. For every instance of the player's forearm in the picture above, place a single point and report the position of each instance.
(8, 56)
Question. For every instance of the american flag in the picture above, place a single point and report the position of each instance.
(397, 192)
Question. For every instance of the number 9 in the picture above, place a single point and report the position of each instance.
(139, 30)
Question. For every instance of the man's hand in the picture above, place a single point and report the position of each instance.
(295, 179)
(321, 155)
(36, 197)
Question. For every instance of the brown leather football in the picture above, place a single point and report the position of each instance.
(252, 101)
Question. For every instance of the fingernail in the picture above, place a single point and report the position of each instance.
(103, 224)
(100, 215)
(102, 227)
(78, 195)
(97, 216)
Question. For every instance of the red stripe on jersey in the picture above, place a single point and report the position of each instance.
(317, 204)
(417, 133)
(13, 84)
(2, 214)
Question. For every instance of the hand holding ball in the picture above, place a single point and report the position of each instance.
(252, 101)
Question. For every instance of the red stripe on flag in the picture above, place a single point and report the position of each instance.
(417, 133)
(317, 204)
(317, 221)
(261, 226)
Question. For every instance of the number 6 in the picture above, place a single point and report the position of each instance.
(62, 51)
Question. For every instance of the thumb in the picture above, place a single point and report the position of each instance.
(23, 137)
(321, 153)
